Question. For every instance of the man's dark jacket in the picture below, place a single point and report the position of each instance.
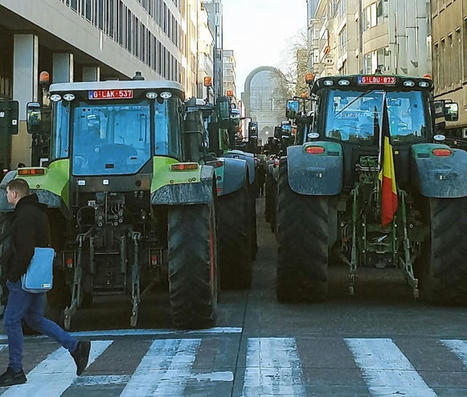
(30, 229)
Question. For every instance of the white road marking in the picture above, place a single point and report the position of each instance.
(3, 347)
(386, 370)
(164, 369)
(145, 332)
(94, 380)
(55, 374)
(223, 376)
(459, 347)
(273, 368)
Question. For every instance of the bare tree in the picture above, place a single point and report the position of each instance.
(295, 61)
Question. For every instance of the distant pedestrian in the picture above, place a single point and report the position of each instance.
(30, 229)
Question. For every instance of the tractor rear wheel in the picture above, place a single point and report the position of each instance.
(302, 232)
(234, 239)
(443, 264)
(253, 231)
(192, 261)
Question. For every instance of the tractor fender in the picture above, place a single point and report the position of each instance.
(439, 176)
(248, 157)
(315, 174)
(235, 172)
(187, 193)
(7, 178)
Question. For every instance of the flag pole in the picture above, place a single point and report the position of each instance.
(380, 137)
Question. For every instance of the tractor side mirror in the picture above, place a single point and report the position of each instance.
(447, 109)
(193, 129)
(252, 130)
(34, 117)
(451, 111)
(9, 113)
(292, 108)
(277, 132)
(223, 108)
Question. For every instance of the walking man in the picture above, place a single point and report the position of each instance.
(30, 229)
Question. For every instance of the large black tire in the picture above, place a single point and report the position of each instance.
(253, 231)
(302, 232)
(192, 258)
(234, 240)
(269, 206)
(443, 265)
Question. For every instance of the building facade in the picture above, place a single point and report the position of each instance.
(205, 54)
(92, 40)
(368, 36)
(216, 25)
(450, 56)
(230, 73)
(264, 100)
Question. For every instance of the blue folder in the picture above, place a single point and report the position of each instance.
(38, 277)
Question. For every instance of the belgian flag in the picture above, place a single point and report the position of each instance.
(387, 173)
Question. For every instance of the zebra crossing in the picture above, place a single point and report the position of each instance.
(262, 366)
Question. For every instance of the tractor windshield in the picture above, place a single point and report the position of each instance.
(110, 138)
(355, 116)
(115, 138)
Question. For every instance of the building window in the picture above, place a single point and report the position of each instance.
(442, 72)
(436, 66)
(449, 62)
(457, 55)
(464, 55)
(375, 61)
(373, 14)
(342, 39)
(341, 9)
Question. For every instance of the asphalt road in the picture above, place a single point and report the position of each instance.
(378, 343)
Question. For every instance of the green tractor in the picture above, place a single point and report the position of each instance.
(222, 127)
(127, 210)
(372, 185)
(234, 206)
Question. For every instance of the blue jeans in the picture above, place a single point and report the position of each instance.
(23, 305)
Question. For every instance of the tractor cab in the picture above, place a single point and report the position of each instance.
(351, 110)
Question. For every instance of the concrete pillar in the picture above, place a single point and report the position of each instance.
(91, 73)
(25, 87)
(62, 67)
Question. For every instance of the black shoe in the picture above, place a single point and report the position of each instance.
(81, 356)
(10, 378)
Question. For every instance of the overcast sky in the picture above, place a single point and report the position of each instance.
(259, 31)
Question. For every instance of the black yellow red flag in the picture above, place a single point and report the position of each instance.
(387, 172)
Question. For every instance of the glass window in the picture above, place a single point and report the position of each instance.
(356, 117)
(435, 66)
(59, 141)
(101, 14)
(168, 128)
(110, 138)
(464, 57)
(88, 10)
